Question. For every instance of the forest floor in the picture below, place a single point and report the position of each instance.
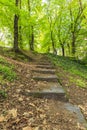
(20, 112)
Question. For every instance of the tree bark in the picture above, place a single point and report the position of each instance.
(20, 30)
(32, 39)
(16, 33)
(73, 44)
(31, 30)
(68, 48)
(63, 50)
(16, 49)
(53, 44)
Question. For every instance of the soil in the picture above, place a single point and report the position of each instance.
(20, 112)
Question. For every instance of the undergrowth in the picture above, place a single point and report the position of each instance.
(73, 67)
(3, 93)
(7, 70)
(7, 74)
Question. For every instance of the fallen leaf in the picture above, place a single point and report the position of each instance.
(42, 116)
(44, 122)
(20, 99)
(31, 113)
(2, 118)
(28, 75)
(31, 104)
(18, 90)
(27, 128)
(21, 85)
(19, 70)
(80, 127)
(13, 112)
(37, 128)
(81, 107)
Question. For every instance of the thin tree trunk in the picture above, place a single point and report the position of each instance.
(31, 30)
(73, 45)
(73, 34)
(68, 48)
(20, 29)
(16, 49)
(20, 36)
(63, 50)
(16, 33)
(53, 44)
(32, 39)
(51, 33)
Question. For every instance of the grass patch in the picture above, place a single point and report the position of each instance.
(6, 70)
(73, 67)
(3, 94)
(3, 61)
(79, 82)
(7, 73)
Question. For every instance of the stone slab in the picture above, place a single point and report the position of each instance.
(45, 66)
(75, 109)
(39, 94)
(44, 71)
(50, 91)
(48, 78)
(44, 63)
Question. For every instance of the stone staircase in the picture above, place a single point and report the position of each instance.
(50, 88)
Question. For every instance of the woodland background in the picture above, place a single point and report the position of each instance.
(53, 26)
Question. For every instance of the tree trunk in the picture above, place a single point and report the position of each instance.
(20, 30)
(73, 45)
(16, 33)
(32, 39)
(63, 50)
(20, 36)
(53, 44)
(16, 49)
(68, 49)
(73, 48)
(31, 30)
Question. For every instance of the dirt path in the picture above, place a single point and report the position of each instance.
(22, 112)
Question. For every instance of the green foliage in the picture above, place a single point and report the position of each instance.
(7, 73)
(72, 66)
(45, 17)
(79, 82)
(4, 62)
(6, 70)
(3, 94)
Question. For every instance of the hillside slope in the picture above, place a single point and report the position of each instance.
(21, 112)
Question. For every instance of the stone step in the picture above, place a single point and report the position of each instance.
(75, 109)
(44, 63)
(58, 94)
(48, 78)
(53, 92)
(44, 59)
(45, 66)
(44, 71)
